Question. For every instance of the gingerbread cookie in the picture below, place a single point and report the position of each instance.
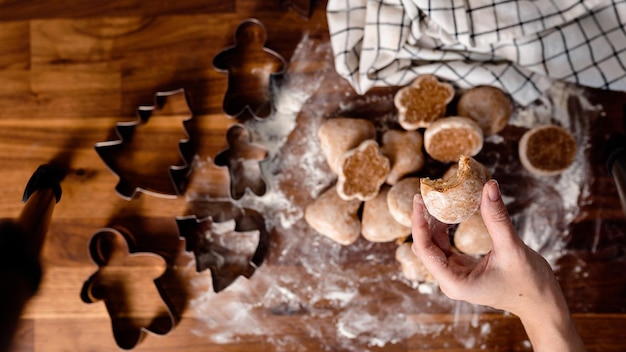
(448, 138)
(488, 106)
(455, 199)
(340, 134)
(334, 217)
(377, 224)
(412, 267)
(547, 150)
(404, 150)
(400, 199)
(422, 102)
(362, 171)
(471, 236)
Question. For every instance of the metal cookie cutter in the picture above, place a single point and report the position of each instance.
(137, 156)
(227, 240)
(243, 160)
(128, 283)
(252, 69)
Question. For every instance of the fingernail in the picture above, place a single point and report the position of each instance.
(494, 191)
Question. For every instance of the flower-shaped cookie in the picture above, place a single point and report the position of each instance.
(362, 171)
(422, 102)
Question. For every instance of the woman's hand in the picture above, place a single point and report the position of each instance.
(511, 277)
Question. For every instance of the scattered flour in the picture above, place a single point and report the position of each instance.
(556, 197)
(338, 305)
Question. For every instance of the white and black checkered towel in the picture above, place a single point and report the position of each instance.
(519, 46)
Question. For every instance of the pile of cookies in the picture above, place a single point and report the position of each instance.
(377, 175)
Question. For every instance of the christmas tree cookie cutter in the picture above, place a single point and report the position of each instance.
(136, 157)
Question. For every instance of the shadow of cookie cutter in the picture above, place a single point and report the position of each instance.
(208, 252)
(252, 71)
(112, 151)
(243, 160)
(105, 248)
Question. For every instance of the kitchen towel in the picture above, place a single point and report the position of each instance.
(518, 46)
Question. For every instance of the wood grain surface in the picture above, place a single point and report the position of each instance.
(70, 70)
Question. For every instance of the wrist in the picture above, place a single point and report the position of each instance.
(552, 333)
(547, 319)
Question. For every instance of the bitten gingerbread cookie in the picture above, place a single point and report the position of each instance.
(547, 150)
(422, 102)
(448, 138)
(404, 150)
(334, 217)
(340, 134)
(489, 106)
(455, 199)
(377, 224)
(362, 171)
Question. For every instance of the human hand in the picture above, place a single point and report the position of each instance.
(511, 277)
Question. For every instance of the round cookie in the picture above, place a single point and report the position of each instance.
(334, 217)
(400, 199)
(489, 106)
(471, 236)
(412, 267)
(422, 102)
(455, 199)
(340, 134)
(377, 224)
(404, 150)
(547, 150)
(362, 171)
(448, 138)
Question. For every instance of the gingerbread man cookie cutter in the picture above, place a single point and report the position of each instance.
(252, 70)
(243, 158)
(136, 304)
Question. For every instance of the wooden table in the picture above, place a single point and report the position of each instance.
(70, 72)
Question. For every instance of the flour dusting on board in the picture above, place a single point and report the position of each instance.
(335, 292)
(556, 197)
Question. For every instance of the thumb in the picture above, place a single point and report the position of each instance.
(496, 218)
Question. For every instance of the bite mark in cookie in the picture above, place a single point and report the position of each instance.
(455, 199)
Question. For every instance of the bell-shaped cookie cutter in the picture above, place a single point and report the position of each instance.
(112, 250)
(252, 71)
(169, 186)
